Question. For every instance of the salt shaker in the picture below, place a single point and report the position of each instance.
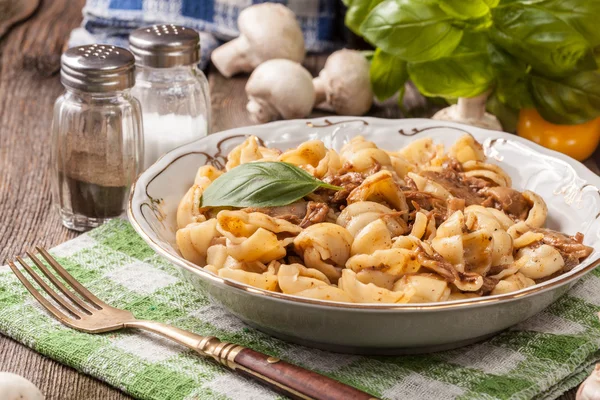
(172, 89)
(97, 144)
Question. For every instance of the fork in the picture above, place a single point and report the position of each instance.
(78, 308)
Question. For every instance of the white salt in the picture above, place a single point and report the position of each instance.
(164, 132)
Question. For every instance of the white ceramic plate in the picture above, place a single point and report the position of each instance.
(569, 188)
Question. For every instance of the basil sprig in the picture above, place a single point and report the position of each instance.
(532, 53)
(261, 184)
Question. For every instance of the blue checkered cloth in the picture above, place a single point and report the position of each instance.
(110, 21)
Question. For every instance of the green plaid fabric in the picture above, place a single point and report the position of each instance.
(538, 359)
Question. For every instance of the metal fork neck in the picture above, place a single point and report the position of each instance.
(188, 339)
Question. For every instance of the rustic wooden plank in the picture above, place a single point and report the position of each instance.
(56, 381)
(13, 11)
(30, 54)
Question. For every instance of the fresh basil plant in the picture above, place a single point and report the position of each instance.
(531, 53)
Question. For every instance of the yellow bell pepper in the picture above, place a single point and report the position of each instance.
(577, 141)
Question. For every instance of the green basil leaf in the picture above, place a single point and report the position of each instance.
(357, 12)
(515, 93)
(491, 3)
(505, 63)
(512, 78)
(414, 31)
(261, 184)
(572, 100)
(466, 73)
(368, 54)
(540, 38)
(582, 15)
(507, 115)
(388, 74)
(465, 9)
(478, 24)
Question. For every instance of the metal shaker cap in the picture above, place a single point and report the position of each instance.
(165, 46)
(97, 68)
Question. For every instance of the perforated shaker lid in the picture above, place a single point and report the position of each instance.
(165, 46)
(97, 68)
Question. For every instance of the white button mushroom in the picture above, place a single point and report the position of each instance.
(267, 31)
(15, 387)
(470, 111)
(279, 89)
(344, 83)
(590, 388)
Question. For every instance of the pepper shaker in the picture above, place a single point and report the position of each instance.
(97, 144)
(172, 89)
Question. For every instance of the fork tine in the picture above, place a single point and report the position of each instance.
(70, 295)
(78, 287)
(41, 299)
(51, 292)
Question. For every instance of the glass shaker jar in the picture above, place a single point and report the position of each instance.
(97, 144)
(172, 89)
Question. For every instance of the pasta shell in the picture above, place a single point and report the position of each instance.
(194, 240)
(294, 278)
(326, 247)
(539, 262)
(330, 293)
(466, 148)
(382, 188)
(370, 293)
(261, 246)
(375, 236)
(427, 287)
(395, 262)
(245, 152)
(307, 154)
(265, 281)
(513, 283)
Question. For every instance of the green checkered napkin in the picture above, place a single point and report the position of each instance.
(540, 358)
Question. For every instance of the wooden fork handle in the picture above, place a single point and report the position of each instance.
(293, 381)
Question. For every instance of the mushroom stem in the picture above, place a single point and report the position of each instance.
(320, 95)
(470, 111)
(472, 107)
(231, 58)
(261, 111)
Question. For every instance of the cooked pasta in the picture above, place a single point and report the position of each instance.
(412, 225)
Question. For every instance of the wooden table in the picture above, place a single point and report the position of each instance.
(29, 62)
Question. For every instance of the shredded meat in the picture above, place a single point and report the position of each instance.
(475, 183)
(458, 185)
(410, 184)
(424, 200)
(437, 264)
(496, 269)
(348, 181)
(571, 248)
(488, 285)
(293, 213)
(508, 200)
(418, 201)
(454, 205)
(315, 213)
(453, 164)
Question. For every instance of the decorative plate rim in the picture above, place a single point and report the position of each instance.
(170, 157)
